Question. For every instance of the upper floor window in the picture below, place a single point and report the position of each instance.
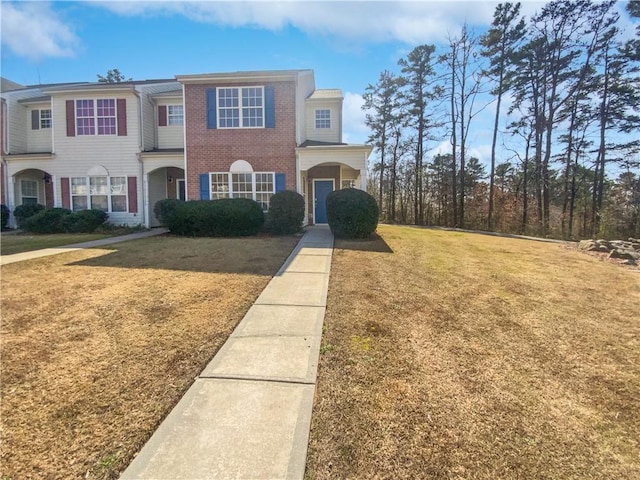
(45, 118)
(175, 114)
(323, 118)
(241, 107)
(102, 114)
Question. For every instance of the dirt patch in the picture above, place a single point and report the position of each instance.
(475, 357)
(98, 345)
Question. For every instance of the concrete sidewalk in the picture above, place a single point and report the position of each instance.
(248, 414)
(45, 252)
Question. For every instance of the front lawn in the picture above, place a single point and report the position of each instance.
(449, 355)
(25, 242)
(98, 345)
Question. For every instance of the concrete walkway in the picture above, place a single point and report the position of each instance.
(248, 414)
(45, 252)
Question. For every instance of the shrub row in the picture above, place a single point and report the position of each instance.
(352, 213)
(38, 219)
(227, 217)
(231, 217)
(5, 216)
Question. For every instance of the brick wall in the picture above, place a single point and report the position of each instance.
(214, 150)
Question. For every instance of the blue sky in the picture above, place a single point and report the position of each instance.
(347, 44)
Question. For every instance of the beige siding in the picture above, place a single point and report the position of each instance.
(17, 132)
(354, 158)
(76, 156)
(40, 140)
(171, 136)
(332, 134)
(306, 86)
(149, 112)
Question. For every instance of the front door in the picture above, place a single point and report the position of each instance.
(321, 189)
(181, 192)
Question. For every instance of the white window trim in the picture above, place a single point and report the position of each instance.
(175, 116)
(108, 194)
(240, 126)
(50, 118)
(95, 117)
(328, 119)
(253, 183)
(22, 193)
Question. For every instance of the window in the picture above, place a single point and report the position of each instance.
(241, 107)
(45, 118)
(256, 186)
(323, 118)
(104, 193)
(29, 190)
(103, 115)
(175, 114)
(348, 184)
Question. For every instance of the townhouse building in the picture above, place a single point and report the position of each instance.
(122, 147)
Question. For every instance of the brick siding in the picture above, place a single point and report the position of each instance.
(214, 150)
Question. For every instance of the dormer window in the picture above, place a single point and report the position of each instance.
(323, 118)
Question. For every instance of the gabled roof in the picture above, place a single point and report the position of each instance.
(44, 98)
(7, 85)
(326, 94)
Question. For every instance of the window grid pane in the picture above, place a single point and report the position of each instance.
(29, 188)
(252, 112)
(98, 185)
(219, 185)
(106, 116)
(85, 121)
(264, 189)
(323, 118)
(78, 186)
(242, 185)
(175, 114)
(45, 118)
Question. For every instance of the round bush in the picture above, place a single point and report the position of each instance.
(227, 217)
(163, 208)
(286, 212)
(84, 221)
(50, 220)
(352, 213)
(23, 212)
(5, 216)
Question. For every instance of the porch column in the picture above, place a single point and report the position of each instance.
(11, 198)
(145, 200)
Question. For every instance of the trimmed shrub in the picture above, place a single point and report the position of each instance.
(50, 220)
(84, 221)
(227, 217)
(163, 208)
(352, 213)
(23, 212)
(5, 216)
(286, 212)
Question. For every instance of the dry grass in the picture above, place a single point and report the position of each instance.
(25, 242)
(98, 345)
(474, 357)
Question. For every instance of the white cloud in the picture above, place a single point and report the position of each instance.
(353, 117)
(34, 30)
(372, 22)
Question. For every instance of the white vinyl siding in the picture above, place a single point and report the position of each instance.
(117, 155)
(329, 120)
(171, 136)
(40, 140)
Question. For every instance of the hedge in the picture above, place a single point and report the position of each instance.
(62, 220)
(227, 217)
(163, 208)
(286, 212)
(4, 221)
(352, 213)
(24, 212)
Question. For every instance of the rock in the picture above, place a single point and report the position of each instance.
(587, 245)
(624, 254)
(630, 262)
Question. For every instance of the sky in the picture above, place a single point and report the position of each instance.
(347, 44)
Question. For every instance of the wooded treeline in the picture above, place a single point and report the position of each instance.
(562, 89)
